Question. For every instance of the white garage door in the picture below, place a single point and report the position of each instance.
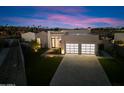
(72, 48)
(88, 48)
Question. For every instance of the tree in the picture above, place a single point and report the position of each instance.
(35, 45)
(56, 29)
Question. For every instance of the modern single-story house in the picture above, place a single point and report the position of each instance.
(70, 41)
(74, 41)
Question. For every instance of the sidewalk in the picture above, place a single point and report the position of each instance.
(105, 54)
(3, 55)
(47, 54)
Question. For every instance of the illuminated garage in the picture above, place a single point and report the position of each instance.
(84, 49)
(72, 48)
(82, 44)
(87, 48)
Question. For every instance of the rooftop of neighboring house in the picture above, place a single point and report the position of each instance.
(33, 32)
(119, 36)
(28, 33)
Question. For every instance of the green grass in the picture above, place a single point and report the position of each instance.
(40, 70)
(114, 70)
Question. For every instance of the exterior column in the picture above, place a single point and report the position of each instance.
(79, 48)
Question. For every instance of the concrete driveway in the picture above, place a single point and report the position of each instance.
(80, 70)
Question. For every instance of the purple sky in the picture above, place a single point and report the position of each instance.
(68, 17)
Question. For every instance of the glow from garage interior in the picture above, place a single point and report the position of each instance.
(88, 48)
(72, 48)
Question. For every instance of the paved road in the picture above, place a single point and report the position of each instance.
(105, 54)
(80, 70)
(4, 52)
(3, 55)
(12, 70)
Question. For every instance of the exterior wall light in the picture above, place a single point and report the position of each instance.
(62, 51)
(35, 50)
(113, 41)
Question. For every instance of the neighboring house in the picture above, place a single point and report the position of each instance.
(70, 41)
(119, 39)
(29, 36)
(41, 37)
(119, 36)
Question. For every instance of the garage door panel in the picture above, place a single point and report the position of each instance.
(88, 48)
(72, 48)
(92, 53)
(92, 50)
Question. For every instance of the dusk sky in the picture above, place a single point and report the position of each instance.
(67, 17)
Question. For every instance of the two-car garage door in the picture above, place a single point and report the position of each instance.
(83, 49)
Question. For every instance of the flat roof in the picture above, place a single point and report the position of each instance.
(81, 34)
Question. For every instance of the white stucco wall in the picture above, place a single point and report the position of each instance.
(28, 36)
(43, 36)
(119, 36)
(49, 40)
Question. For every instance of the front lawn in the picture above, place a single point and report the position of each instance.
(40, 70)
(114, 70)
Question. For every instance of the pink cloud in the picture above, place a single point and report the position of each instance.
(65, 20)
(84, 20)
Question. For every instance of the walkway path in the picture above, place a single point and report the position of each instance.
(105, 54)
